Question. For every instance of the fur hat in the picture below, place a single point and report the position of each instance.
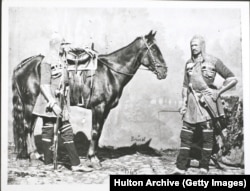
(57, 40)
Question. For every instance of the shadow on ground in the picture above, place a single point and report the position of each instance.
(82, 144)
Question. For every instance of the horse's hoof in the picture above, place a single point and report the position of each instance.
(94, 163)
(22, 162)
(22, 155)
(96, 166)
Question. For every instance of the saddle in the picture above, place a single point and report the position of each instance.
(80, 59)
(81, 64)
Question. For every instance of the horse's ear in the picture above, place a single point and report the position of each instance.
(150, 33)
(154, 33)
(150, 36)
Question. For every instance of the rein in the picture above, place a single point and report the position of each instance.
(119, 72)
(148, 51)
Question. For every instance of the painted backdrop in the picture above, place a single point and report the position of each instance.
(141, 114)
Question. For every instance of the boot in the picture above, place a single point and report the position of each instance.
(72, 153)
(178, 171)
(203, 171)
(74, 159)
(81, 168)
(48, 154)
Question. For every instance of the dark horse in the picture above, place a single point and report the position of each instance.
(102, 92)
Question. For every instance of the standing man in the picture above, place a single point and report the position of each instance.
(200, 98)
(53, 78)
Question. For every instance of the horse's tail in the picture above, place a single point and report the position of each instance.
(18, 120)
(20, 126)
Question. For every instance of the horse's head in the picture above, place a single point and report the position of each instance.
(152, 58)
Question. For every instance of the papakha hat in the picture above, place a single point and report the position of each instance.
(58, 39)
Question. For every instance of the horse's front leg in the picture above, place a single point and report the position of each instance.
(98, 117)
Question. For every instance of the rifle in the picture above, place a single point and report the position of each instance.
(61, 94)
(55, 141)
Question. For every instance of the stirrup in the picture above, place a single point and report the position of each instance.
(81, 102)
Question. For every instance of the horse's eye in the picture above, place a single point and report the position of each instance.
(154, 50)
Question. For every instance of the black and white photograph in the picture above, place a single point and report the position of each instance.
(93, 89)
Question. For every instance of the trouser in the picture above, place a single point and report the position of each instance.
(187, 135)
(66, 133)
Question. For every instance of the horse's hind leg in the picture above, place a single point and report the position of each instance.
(32, 149)
(28, 141)
(34, 154)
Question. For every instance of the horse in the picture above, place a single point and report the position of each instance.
(101, 92)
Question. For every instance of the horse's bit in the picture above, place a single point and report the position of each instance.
(156, 64)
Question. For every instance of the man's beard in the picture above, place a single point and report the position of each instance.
(196, 53)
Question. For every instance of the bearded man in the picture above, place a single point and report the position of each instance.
(200, 98)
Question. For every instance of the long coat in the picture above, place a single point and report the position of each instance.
(40, 108)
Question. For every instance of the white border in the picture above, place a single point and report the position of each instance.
(124, 3)
(246, 83)
(244, 6)
(4, 97)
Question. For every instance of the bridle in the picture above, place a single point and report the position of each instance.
(149, 51)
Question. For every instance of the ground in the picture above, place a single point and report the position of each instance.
(126, 160)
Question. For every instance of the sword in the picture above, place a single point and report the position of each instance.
(217, 123)
(195, 97)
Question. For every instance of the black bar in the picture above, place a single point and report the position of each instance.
(179, 182)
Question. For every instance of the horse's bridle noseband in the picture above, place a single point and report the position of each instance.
(156, 64)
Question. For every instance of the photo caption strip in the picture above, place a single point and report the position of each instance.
(180, 182)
